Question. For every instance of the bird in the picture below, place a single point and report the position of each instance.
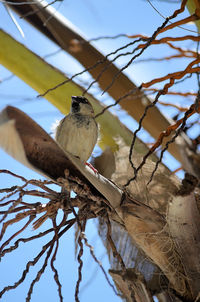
(77, 132)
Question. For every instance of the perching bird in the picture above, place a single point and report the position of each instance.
(77, 132)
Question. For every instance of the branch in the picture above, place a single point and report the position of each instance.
(33, 70)
(63, 34)
(31, 145)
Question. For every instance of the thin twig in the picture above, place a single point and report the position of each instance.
(187, 114)
(31, 218)
(79, 257)
(56, 276)
(148, 43)
(89, 68)
(98, 262)
(34, 261)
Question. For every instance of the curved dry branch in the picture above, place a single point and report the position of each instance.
(146, 225)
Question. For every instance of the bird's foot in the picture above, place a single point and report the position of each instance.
(91, 167)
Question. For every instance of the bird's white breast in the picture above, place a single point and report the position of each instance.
(77, 134)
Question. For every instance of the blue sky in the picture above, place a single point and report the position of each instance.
(93, 19)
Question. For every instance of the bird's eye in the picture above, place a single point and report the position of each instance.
(84, 100)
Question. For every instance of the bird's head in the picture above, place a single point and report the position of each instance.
(81, 105)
